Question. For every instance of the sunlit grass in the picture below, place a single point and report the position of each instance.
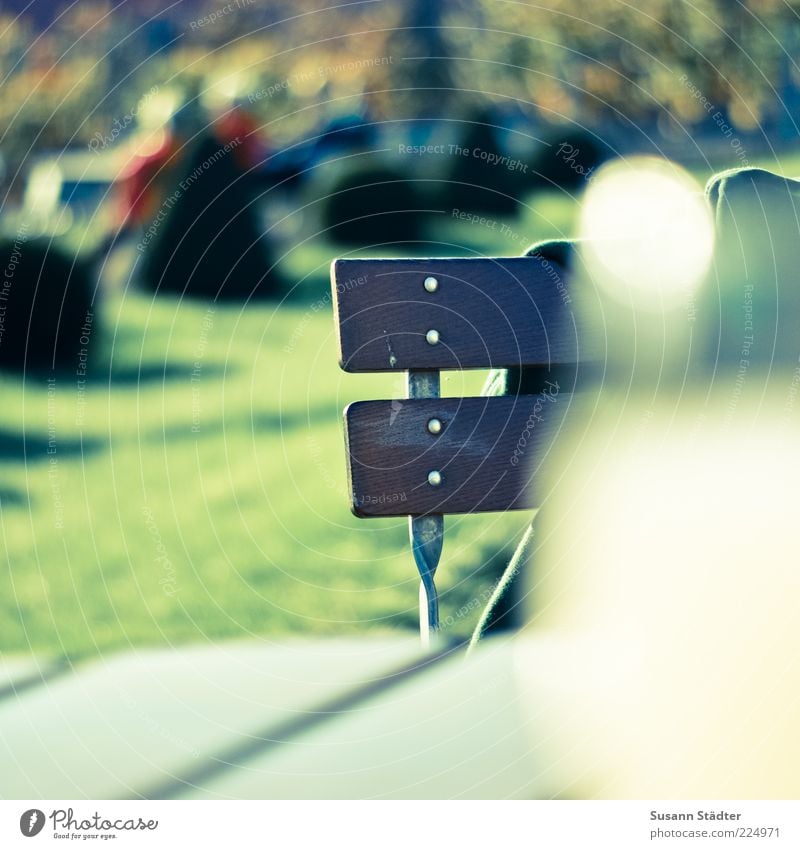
(241, 526)
(191, 504)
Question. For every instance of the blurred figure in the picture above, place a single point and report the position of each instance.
(157, 151)
(207, 239)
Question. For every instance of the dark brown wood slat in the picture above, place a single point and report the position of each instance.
(489, 313)
(488, 451)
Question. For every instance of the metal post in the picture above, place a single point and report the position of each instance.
(426, 532)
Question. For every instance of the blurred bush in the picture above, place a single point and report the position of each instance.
(372, 205)
(482, 177)
(568, 160)
(47, 306)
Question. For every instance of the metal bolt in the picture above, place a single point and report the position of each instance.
(432, 337)
(434, 426)
(431, 284)
(434, 477)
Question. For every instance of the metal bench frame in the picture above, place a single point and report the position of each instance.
(428, 456)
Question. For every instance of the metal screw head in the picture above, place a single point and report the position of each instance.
(434, 426)
(432, 337)
(434, 477)
(431, 284)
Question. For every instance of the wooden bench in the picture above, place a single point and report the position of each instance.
(427, 456)
(620, 671)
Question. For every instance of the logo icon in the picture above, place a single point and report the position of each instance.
(399, 389)
(31, 822)
(395, 409)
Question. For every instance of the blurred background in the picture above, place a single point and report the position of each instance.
(175, 181)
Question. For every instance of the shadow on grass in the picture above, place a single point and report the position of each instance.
(259, 424)
(33, 448)
(119, 376)
(13, 498)
(128, 376)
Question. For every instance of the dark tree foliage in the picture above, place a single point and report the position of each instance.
(46, 306)
(372, 206)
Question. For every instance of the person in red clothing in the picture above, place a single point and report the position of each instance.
(237, 125)
(144, 179)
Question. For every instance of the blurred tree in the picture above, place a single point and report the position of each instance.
(645, 70)
(372, 206)
(425, 50)
(476, 181)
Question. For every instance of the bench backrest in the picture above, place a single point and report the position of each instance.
(429, 455)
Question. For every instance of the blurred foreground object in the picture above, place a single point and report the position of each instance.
(753, 302)
(666, 589)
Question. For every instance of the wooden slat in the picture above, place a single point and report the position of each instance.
(487, 452)
(489, 313)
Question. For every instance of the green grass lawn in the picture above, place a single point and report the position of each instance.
(197, 486)
(196, 489)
